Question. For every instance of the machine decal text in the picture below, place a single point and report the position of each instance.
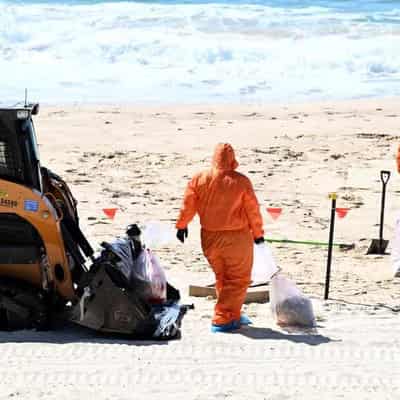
(8, 203)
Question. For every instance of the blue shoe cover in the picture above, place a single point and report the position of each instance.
(245, 320)
(229, 327)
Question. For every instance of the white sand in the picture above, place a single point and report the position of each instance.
(139, 160)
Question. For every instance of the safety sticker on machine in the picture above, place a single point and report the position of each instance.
(31, 205)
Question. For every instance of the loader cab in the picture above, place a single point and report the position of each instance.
(40, 237)
(19, 156)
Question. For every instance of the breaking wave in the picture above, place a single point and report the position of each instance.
(195, 51)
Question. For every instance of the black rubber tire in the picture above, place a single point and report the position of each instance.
(28, 297)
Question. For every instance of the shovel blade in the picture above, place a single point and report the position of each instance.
(378, 246)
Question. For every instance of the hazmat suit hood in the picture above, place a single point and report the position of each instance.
(224, 158)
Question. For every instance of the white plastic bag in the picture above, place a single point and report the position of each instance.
(289, 305)
(148, 269)
(157, 234)
(264, 266)
(156, 277)
(145, 267)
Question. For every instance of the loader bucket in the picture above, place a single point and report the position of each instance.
(107, 307)
(110, 304)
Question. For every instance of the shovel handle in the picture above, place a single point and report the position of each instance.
(385, 176)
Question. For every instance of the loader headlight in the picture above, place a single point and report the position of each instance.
(22, 114)
(45, 214)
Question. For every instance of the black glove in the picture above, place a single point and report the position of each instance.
(182, 234)
(259, 240)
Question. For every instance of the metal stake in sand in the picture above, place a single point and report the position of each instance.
(333, 197)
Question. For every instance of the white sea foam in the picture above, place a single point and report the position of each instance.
(195, 53)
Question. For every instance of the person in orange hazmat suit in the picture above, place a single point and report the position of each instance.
(230, 221)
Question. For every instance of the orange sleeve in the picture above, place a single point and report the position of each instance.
(398, 159)
(253, 212)
(189, 207)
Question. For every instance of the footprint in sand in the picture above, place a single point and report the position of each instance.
(205, 113)
(60, 113)
(336, 156)
(253, 114)
(368, 135)
(108, 112)
(161, 114)
(81, 181)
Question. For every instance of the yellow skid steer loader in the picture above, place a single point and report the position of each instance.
(48, 270)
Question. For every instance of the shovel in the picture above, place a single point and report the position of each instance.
(378, 246)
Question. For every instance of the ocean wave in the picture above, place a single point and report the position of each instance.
(196, 52)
